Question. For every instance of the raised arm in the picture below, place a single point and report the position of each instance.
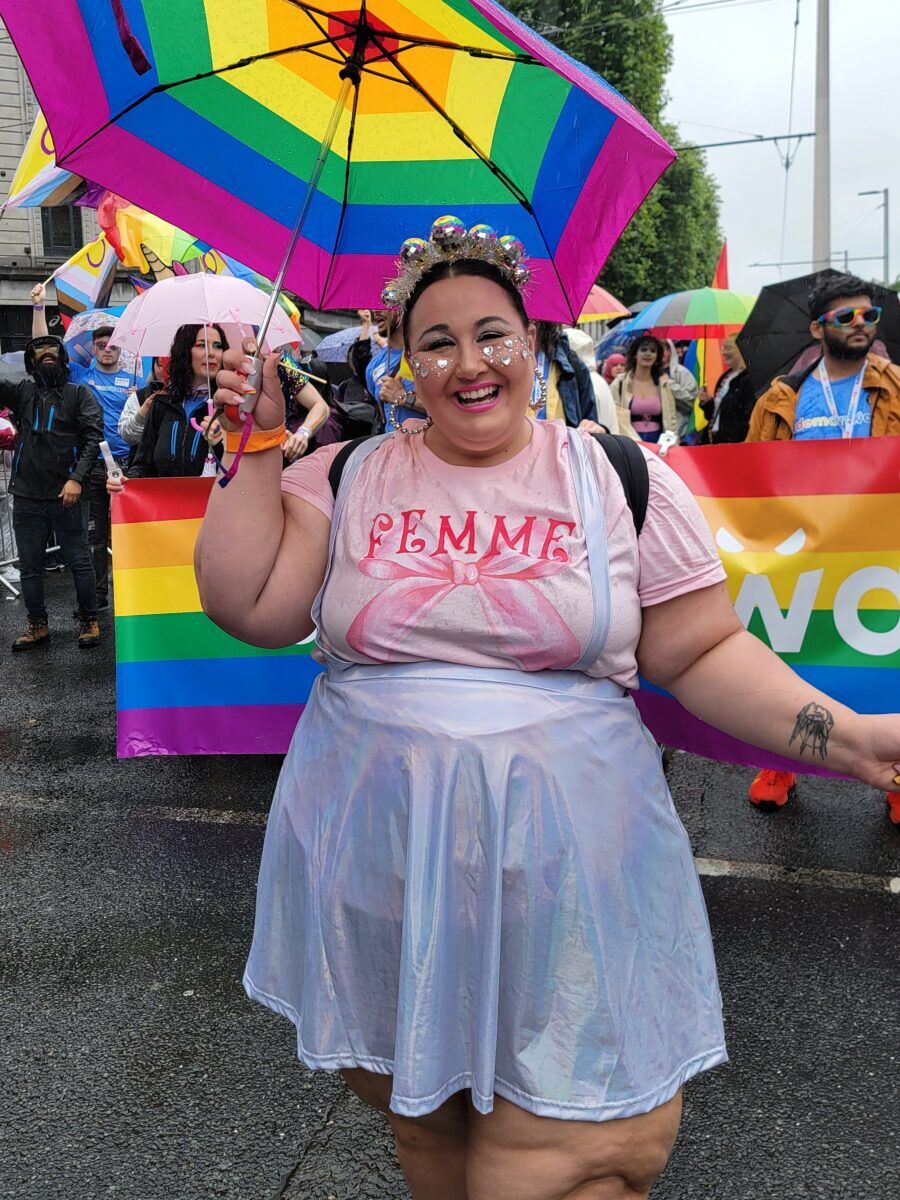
(38, 311)
(695, 647)
(297, 443)
(261, 555)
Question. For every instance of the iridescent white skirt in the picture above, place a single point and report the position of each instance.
(477, 880)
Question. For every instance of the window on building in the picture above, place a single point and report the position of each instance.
(62, 231)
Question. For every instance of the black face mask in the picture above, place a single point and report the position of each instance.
(50, 374)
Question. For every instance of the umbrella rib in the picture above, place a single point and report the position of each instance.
(435, 43)
(345, 199)
(493, 167)
(306, 47)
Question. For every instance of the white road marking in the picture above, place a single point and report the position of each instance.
(712, 867)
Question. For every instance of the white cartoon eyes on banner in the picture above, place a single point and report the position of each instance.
(727, 542)
(793, 544)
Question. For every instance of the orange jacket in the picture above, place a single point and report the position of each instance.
(773, 416)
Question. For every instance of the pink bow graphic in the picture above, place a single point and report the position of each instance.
(523, 622)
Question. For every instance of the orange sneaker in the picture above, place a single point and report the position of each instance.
(772, 789)
(892, 800)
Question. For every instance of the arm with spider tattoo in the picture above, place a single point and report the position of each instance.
(695, 647)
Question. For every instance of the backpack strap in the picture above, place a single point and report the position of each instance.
(340, 461)
(628, 462)
(624, 454)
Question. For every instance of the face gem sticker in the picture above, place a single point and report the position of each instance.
(442, 364)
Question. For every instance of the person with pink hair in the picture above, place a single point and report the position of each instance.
(613, 366)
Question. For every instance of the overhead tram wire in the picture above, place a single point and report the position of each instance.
(787, 159)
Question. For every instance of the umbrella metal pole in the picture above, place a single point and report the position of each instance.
(350, 80)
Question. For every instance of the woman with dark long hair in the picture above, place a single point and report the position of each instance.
(642, 393)
(170, 444)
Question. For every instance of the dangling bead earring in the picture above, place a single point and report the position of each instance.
(540, 400)
(426, 424)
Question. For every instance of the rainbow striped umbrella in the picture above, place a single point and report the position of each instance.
(359, 124)
(701, 313)
(601, 305)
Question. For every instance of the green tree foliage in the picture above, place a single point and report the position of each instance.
(673, 241)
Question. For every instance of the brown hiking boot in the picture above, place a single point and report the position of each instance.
(37, 634)
(88, 633)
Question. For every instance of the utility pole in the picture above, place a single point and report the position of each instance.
(885, 194)
(822, 162)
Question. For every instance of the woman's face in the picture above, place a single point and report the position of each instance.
(731, 355)
(473, 361)
(206, 353)
(646, 355)
(616, 369)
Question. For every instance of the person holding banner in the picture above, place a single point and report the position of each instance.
(847, 393)
(476, 899)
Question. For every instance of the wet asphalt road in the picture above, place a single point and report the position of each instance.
(133, 1066)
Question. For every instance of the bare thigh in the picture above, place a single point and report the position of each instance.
(515, 1155)
(432, 1148)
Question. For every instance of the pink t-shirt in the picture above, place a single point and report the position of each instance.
(487, 566)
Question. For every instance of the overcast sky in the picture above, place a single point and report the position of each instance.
(731, 72)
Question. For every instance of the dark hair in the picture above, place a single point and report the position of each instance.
(836, 287)
(474, 267)
(181, 372)
(646, 339)
(103, 331)
(548, 333)
(358, 357)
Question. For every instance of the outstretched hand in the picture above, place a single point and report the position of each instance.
(878, 737)
(231, 383)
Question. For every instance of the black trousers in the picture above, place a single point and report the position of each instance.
(98, 530)
(33, 521)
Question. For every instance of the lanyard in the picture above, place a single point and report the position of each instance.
(845, 423)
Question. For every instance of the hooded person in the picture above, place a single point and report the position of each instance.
(60, 426)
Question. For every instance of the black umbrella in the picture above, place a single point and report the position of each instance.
(777, 331)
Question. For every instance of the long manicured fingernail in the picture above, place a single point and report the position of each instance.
(248, 389)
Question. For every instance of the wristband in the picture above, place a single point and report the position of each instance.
(38, 307)
(260, 439)
(304, 432)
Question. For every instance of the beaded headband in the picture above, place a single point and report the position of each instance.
(450, 241)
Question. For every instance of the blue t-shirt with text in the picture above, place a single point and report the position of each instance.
(386, 361)
(813, 419)
(111, 389)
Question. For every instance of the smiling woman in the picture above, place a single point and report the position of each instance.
(476, 899)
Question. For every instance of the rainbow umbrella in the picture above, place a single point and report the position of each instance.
(601, 306)
(319, 137)
(701, 313)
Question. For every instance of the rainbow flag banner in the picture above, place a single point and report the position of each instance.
(182, 685)
(809, 533)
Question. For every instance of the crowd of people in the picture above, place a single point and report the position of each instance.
(53, 423)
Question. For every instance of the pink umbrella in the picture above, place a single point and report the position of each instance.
(601, 306)
(151, 320)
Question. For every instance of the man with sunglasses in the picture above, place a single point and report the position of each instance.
(110, 385)
(847, 393)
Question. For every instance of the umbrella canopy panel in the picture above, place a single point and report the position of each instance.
(702, 312)
(211, 113)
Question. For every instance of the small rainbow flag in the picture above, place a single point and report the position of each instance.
(809, 533)
(184, 686)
